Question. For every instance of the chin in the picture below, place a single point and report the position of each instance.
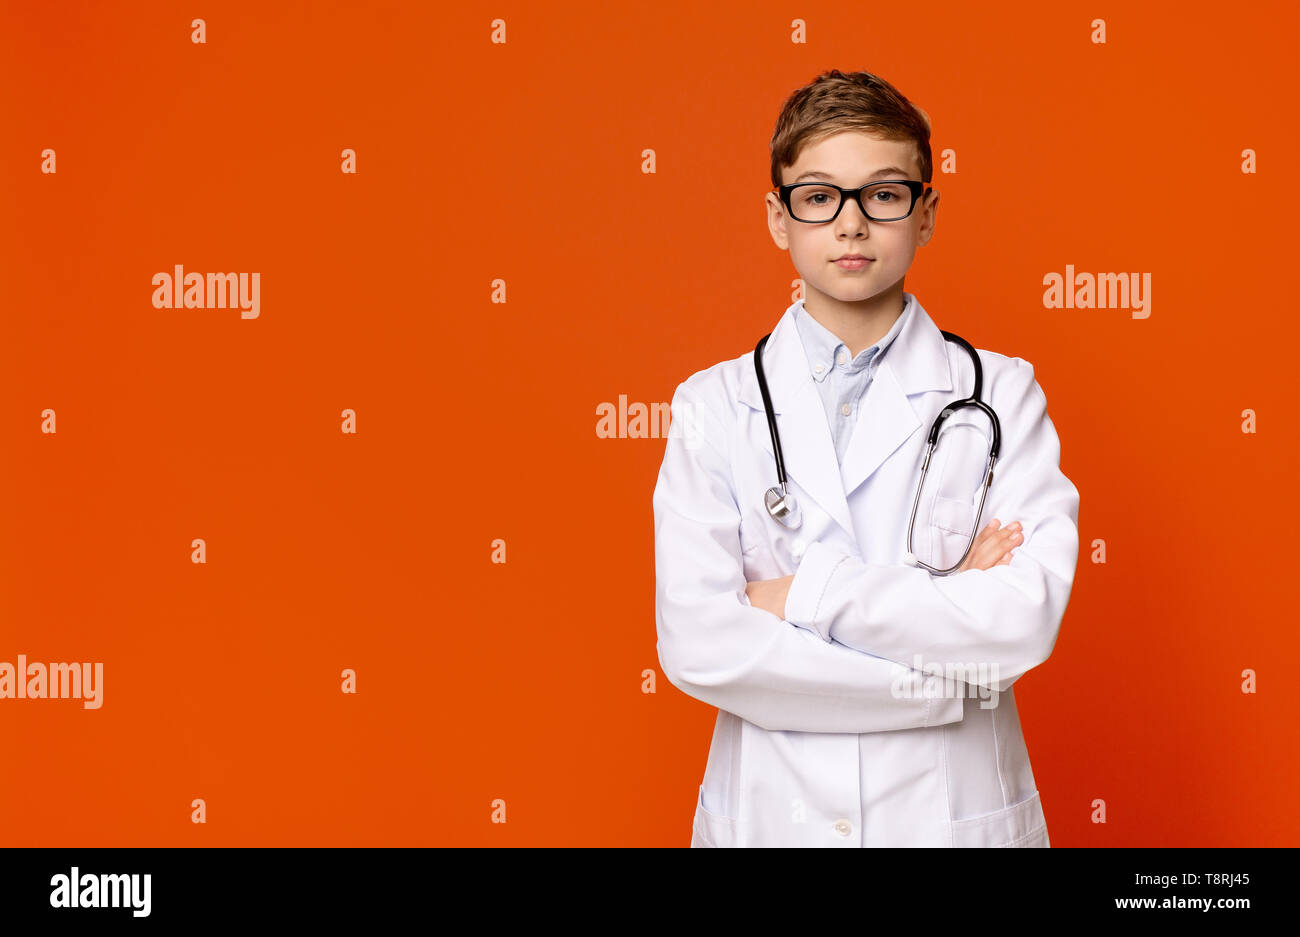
(841, 293)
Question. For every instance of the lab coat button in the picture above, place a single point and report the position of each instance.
(843, 827)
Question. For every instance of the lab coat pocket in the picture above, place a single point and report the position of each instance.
(950, 528)
(1021, 825)
(710, 830)
(768, 549)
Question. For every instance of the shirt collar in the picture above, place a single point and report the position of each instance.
(824, 349)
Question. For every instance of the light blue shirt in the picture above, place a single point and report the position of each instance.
(842, 383)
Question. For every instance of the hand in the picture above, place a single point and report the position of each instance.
(769, 594)
(992, 547)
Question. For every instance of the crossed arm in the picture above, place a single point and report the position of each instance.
(993, 546)
(835, 658)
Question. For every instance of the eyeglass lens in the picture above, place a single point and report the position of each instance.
(884, 201)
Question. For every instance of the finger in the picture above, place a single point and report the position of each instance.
(987, 557)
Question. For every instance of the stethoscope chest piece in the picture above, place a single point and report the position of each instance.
(783, 507)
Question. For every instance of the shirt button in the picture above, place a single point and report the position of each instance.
(843, 827)
(845, 409)
(819, 369)
(797, 548)
(844, 356)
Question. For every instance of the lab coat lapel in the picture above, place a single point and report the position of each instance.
(806, 440)
(885, 421)
(915, 362)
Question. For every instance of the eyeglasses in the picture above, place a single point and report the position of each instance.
(819, 202)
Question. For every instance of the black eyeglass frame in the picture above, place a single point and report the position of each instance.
(856, 194)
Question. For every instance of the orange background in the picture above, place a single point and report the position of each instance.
(476, 420)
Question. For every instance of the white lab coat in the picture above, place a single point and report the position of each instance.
(816, 742)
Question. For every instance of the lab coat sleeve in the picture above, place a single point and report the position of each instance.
(1005, 619)
(715, 646)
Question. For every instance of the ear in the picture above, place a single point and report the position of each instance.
(929, 213)
(777, 221)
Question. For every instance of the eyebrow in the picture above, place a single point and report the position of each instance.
(887, 171)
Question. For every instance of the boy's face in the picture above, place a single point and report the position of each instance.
(851, 159)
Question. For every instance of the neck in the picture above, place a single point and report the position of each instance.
(858, 325)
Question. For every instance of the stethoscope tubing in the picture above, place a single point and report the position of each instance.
(767, 408)
(972, 401)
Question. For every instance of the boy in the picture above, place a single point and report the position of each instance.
(862, 701)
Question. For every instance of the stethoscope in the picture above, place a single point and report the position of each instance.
(781, 504)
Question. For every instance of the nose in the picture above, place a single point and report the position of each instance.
(852, 213)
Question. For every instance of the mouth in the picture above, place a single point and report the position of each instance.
(852, 262)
